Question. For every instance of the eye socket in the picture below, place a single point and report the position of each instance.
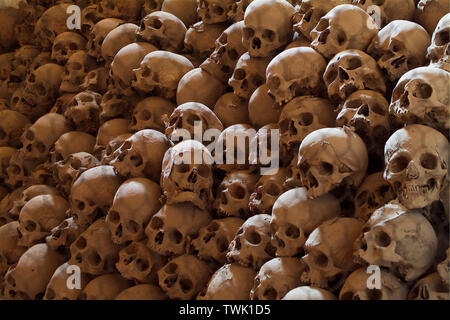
(306, 119)
(331, 75)
(73, 46)
(422, 91)
(182, 168)
(398, 164)
(217, 10)
(382, 239)
(248, 33)
(378, 109)
(321, 260)
(325, 168)
(237, 192)
(322, 25)
(203, 171)
(239, 74)
(428, 161)
(268, 35)
(76, 66)
(442, 38)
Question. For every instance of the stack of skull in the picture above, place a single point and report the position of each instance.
(107, 170)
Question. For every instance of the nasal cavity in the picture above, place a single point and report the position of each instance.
(256, 43)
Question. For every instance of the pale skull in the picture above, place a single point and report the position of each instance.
(439, 50)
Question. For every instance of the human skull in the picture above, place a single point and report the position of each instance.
(343, 27)
(112, 146)
(50, 24)
(93, 251)
(105, 287)
(277, 277)
(117, 104)
(12, 125)
(149, 114)
(171, 229)
(124, 9)
(116, 39)
(438, 51)
(10, 250)
(214, 11)
(71, 142)
(384, 12)
(23, 58)
(39, 138)
(63, 235)
(141, 155)
(248, 75)
(160, 72)
(352, 70)
(294, 217)
(89, 17)
(77, 67)
(108, 131)
(416, 158)
(230, 282)
(213, 239)
(373, 193)
(267, 26)
(331, 157)
(428, 13)
(65, 45)
(421, 96)
(355, 287)
(96, 80)
(163, 30)
(92, 194)
(84, 111)
(295, 72)
(200, 39)
(399, 47)
(228, 49)
(309, 293)
(185, 10)
(399, 239)
(300, 117)
(179, 282)
(429, 288)
(329, 251)
(98, 35)
(139, 263)
(57, 288)
(135, 202)
(251, 244)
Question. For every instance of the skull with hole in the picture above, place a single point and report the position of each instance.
(39, 138)
(214, 11)
(116, 39)
(329, 251)
(386, 11)
(309, 293)
(267, 190)
(372, 194)
(230, 282)
(163, 30)
(93, 251)
(171, 229)
(50, 24)
(332, 157)
(84, 111)
(96, 80)
(179, 282)
(231, 110)
(421, 96)
(294, 217)
(150, 6)
(439, 50)
(429, 287)
(429, 12)
(63, 235)
(443, 269)
(187, 174)
(399, 47)
(160, 72)
(66, 171)
(149, 114)
(295, 72)
(71, 142)
(135, 202)
(39, 216)
(199, 86)
(185, 10)
(212, 242)
(251, 244)
(142, 292)
(276, 278)
(309, 12)
(262, 108)
(98, 34)
(112, 146)
(139, 263)
(366, 112)
(228, 49)
(28, 279)
(10, 250)
(399, 239)
(108, 131)
(416, 158)
(355, 287)
(65, 45)
(124, 9)
(349, 71)
(300, 117)
(57, 288)
(12, 125)
(248, 75)
(233, 194)
(89, 17)
(77, 67)
(141, 155)
(92, 194)
(343, 27)
(117, 104)
(125, 61)
(200, 38)
(191, 116)
(105, 287)
(267, 27)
